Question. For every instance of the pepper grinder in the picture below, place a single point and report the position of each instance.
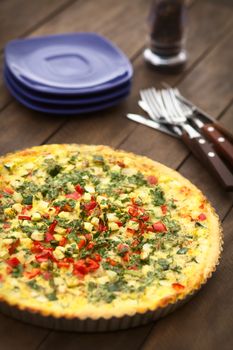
(166, 42)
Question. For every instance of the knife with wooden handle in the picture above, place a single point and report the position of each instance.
(204, 151)
(221, 143)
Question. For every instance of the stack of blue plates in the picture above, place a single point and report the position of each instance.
(67, 74)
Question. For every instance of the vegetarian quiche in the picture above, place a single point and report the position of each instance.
(90, 232)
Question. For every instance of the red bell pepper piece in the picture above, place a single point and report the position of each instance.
(97, 257)
(164, 209)
(126, 257)
(63, 263)
(92, 264)
(90, 246)
(202, 217)
(37, 247)
(159, 227)
(47, 275)
(144, 217)
(74, 195)
(13, 262)
(52, 226)
(152, 180)
(13, 246)
(102, 227)
(120, 164)
(111, 262)
(81, 243)
(80, 268)
(8, 190)
(133, 211)
(6, 225)
(63, 241)
(33, 273)
(178, 287)
(91, 205)
(24, 217)
(49, 237)
(79, 189)
(119, 223)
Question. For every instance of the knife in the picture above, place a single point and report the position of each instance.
(152, 124)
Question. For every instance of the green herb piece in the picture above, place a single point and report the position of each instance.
(199, 224)
(171, 204)
(91, 286)
(182, 251)
(98, 159)
(109, 298)
(28, 200)
(137, 179)
(7, 167)
(157, 195)
(17, 271)
(52, 296)
(32, 284)
(54, 243)
(54, 170)
(164, 264)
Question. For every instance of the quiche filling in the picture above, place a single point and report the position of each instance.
(84, 227)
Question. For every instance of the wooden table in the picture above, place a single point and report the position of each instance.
(206, 322)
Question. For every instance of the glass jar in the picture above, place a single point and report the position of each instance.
(166, 43)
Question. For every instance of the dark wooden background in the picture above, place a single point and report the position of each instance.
(206, 322)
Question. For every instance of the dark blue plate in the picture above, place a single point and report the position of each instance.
(65, 100)
(66, 110)
(62, 64)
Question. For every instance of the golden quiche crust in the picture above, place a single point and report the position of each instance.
(181, 269)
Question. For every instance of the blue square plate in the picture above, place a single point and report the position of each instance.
(65, 100)
(63, 109)
(68, 63)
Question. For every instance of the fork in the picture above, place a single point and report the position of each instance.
(224, 147)
(164, 104)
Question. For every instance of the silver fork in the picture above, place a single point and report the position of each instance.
(164, 102)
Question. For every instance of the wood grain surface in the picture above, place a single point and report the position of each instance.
(206, 322)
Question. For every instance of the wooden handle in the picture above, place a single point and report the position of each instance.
(222, 145)
(224, 131)
(202, 149)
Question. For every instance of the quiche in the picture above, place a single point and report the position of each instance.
(91, 232)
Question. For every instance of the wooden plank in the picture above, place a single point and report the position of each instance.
(5, 96)
(130, 339)
(18, 335)
(202, 22)
(226, 119)
(121, 21)
(17, 17)
(205, 322)
(209, 85)
(18, 120)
